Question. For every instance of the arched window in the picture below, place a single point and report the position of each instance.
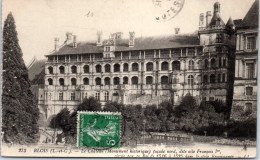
(191, 65)
(107, 68)
(223, 77)
(98, 81)
(206, 64)
(224, 62)
(73, 69)
(107, 81)
(126, 67)
(213, 63)
(50, 69)
(164, 80)
(50, 81)
(165, 66)
(149, 80)
(61, 81)
(176, 66)
(98, 68)
(73, 81)
(205, 78)
(117, 68)
(116, 81)
(86, 81)
(219, 62)
(125, 80)
(62, 70)
(149, 66)
(212, 78)
(134, 80)
(190, 80)
(135, 67)
(86, 69)
(219, 77)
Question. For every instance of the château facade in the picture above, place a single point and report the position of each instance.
(142, 70)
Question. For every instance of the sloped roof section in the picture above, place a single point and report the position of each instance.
(251, 18)
(36, 71)
(146, 43)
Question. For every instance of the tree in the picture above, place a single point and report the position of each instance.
(61, 120)
(19, 108)
(89, 104)
(187, 104)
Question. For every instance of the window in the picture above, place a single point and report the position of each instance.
(107, 68)
(73, 96)
(164, 80)
(97, 96)
(61, 81)
(219, 38)
(224, 62)
(165, 66)
(107, 48)
(223, 78)
(212, 78)
(219, 62)
(219, 77)
(62, 70)
(98, 81)
(50, 70)
(126, 67)
(149, 80)
(191, 65)
(73, 69)
(213, 63)
(73, 81)
(176, 66)
(125, 80)
(149, 66)
(107, 81)
(86, 69)
(248, 108)
(219, 49)
(116, 68)
(135, 80)
(190, 80)
(116, 81)
(249, 91)
(106, 96)
(250, 43)
(206, 64)
(86, 81)
(205, 78)
(250, 70)
(61, 96)
(50, 81)
(135, 67)
(98, 68)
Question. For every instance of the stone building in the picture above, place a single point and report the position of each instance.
(245, 84)
(142, 70)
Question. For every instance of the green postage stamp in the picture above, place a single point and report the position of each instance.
(98, 129)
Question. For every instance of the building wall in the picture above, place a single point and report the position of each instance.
(245, 84)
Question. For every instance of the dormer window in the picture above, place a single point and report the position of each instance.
(107, 48)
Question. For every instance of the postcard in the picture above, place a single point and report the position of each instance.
(129, 78)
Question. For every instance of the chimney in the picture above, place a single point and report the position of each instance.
(216, 7)
(74, 41)
(56, 44)
(177, 30)
(208, 18)
(131, 39)
(68, 38)
(201, 20)
(99, 38)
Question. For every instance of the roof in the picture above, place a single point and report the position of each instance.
(230, 22)
(251, 18)
(238, 22)
(145, 43)
(216, 17)
(36, 70)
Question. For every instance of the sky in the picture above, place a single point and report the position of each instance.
(38, 22)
